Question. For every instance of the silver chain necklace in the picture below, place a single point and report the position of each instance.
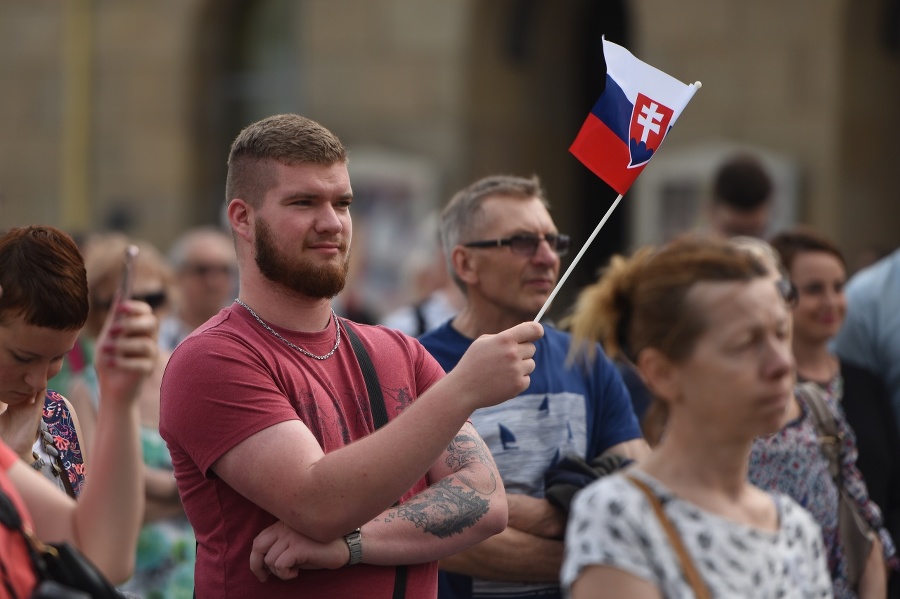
(337, 336)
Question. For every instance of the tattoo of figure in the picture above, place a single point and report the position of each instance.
(444, 510)
(467, 456)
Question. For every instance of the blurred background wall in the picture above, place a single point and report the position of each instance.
(120, 115)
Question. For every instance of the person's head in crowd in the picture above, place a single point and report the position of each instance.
(818, 270)
(205, 273)
(151, 283)
(741, 202)
(771, 259)
(703, 322)
(275, 167)
(42, 309)
(502, 247)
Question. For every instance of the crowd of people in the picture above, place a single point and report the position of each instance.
(205, 424)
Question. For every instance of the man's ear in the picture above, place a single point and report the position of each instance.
(240, 216)
(463, 264)
(660, 374)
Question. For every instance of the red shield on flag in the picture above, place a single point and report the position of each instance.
(649, 125)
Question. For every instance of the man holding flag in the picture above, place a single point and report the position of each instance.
(503, 251)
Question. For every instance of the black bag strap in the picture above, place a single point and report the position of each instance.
(376, 399)
(379, 417)
(421, 325)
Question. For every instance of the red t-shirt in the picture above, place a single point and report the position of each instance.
(231, 379)
(17, 567)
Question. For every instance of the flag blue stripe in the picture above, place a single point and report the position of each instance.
(614, 109)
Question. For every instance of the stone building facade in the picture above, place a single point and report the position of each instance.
(120, 114)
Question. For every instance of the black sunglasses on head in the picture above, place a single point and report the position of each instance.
(155, 300)
(526, 244)
(204, 270)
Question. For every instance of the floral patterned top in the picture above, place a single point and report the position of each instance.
(791, 462)
(57, 449)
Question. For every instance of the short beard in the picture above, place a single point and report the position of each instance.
(322, 282)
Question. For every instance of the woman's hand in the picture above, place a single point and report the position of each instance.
(19, 425)
(126, 351)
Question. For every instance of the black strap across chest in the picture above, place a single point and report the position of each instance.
(379, 418)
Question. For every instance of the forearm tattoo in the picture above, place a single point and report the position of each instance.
(467, 456)
(444, 509)
(455, 503)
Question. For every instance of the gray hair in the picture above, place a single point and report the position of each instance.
(460, 219)
(179, 250)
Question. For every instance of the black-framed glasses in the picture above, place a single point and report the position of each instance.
(526, 244)
(788, 291)
(155, 300)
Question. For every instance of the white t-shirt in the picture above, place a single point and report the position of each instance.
(612, 523)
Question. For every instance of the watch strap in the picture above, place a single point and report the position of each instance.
(354, 543)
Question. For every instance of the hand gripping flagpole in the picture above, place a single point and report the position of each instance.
(695, 86)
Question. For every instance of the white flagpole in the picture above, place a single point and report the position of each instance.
(577, 258)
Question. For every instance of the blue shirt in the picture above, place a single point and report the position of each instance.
(581, 408)
(870, 336)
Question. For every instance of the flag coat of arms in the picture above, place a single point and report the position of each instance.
(631, 119)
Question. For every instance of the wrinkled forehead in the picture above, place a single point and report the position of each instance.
(512, 213)
(728, 305)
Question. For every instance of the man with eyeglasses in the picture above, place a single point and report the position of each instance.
(503, 250)
(205, 267)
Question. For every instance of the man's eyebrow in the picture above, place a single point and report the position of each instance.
(309, 195)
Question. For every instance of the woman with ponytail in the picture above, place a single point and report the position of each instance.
(710, 334)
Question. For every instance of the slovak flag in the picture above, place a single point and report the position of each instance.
(630, 120)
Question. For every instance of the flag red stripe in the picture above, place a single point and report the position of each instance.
(601, 150)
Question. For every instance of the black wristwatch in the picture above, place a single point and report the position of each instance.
(354, 543)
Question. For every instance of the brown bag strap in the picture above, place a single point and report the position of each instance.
(687, 564)
(830, 440)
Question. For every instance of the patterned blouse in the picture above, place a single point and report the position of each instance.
(791, 462)
(57, 450)
(613, 524)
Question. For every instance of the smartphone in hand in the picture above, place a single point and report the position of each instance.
(124, 292)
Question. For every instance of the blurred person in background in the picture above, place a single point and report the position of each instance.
(870, 336)
(503, 251)
(741, 202)
(205, 269)
(709, 333)
(818, 270)
(436, 297)
(791, 460)
(166, 546)
(105, 520)
(152, 284)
